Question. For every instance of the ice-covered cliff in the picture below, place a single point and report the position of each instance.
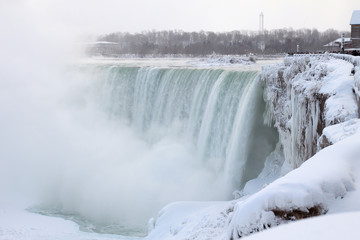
(304, 95)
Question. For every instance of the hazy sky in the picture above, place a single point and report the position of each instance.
(102, 16)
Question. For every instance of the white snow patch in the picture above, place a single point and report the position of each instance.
(329, 227)
(341, 105)
(338, 132)
(192, 220)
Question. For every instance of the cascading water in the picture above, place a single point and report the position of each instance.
(177, 134)
(217, 112)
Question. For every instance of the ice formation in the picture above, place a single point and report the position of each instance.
(305, 95)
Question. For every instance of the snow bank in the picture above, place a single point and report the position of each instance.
(338, 132)
(338, 86)
(192, 220)
(329, 227)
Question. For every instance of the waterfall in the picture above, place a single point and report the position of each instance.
(217, 112)
(134, 139)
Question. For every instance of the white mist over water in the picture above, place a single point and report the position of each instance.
(114, 145)
(161, 135)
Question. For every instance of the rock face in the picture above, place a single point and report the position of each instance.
(296, 106)
(304, 96)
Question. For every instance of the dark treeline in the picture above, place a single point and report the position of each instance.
(204, 43)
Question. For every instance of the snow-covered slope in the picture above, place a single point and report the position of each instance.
(329, 227)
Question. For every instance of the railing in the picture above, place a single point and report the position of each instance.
(307, 54)
(355, 60)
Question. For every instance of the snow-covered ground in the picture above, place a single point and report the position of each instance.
(329, 227)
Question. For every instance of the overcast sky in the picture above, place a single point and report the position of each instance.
(103, 16)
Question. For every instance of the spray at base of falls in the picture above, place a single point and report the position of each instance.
(130, 140)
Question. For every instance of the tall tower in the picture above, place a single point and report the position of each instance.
(261, 23)
(261, 32)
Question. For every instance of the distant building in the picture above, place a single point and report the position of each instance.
(336, 44)
(355, 29)
(351, 43)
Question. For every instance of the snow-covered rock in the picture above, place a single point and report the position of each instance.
(335, 133)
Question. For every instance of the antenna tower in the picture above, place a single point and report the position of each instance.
(261, 23)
